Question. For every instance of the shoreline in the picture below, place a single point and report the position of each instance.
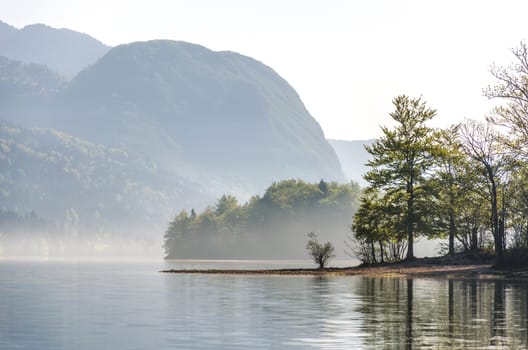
(382, 271)
(448, 267)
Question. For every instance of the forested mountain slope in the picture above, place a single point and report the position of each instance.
(219, 112)
(92, 188)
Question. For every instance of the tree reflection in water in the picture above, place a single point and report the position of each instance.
(409, 321)
(441, 313)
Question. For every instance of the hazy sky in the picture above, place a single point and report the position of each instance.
(346, 59)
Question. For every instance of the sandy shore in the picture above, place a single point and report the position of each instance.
(450, 267)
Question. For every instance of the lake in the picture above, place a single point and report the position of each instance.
(130, 305)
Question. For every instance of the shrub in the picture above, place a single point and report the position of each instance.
(321, 253)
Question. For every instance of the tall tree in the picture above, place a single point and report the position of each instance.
(472, 212)
(457, 185)
(401, 159)
(446, 183)
(481, 143)
(519, 208)
(512, 87)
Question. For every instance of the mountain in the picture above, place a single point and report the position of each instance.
(74, 185)
(224, 114)
(26, 90)
(62, 50)
(6, 31)
(353, 157)
(150, 128)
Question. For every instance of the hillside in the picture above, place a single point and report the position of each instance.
(26, 90)
(353, 157)
(82, 187)
(150, 128)
(62, 50)
(218, 113)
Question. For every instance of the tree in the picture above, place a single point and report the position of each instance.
(178, 230)
(458, 188)
(375, 227)
(481, 143)
(450, 182)
(367, 229)
(225, 204)
(401, 159)
(519, 209)
(445, 181)
(512, 87)
(323, 187)
(321, 253)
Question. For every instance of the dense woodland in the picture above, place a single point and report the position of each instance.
(273, 225)
(468, 183)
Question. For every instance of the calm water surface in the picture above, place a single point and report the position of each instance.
(130, 305)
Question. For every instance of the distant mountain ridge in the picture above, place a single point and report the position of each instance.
(353, 157)
(65, 51)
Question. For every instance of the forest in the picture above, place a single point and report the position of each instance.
(273, 225)
(467, 183)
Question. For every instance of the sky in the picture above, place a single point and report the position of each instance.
(346, 59)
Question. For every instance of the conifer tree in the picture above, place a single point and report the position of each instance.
(401, 160)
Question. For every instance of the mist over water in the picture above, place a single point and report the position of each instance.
(91, 246)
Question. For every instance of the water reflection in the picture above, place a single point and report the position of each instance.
(445, 314)
(131, 306)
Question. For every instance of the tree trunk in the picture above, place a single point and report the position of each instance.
(381, 251)
(452, 227)
(410, 220)
(451, 233)
(373, 251)
(410, 316)
(497, 235)
(474, 239)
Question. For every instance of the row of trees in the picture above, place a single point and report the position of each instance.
(268, 226)
(468, 182)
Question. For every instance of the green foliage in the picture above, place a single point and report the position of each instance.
(456, 183)
(434, 183)
(401, 160)
(467, 183)
(378, 229)
(518, 208)
(483, 145)
(320, 253)
(263, 225)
